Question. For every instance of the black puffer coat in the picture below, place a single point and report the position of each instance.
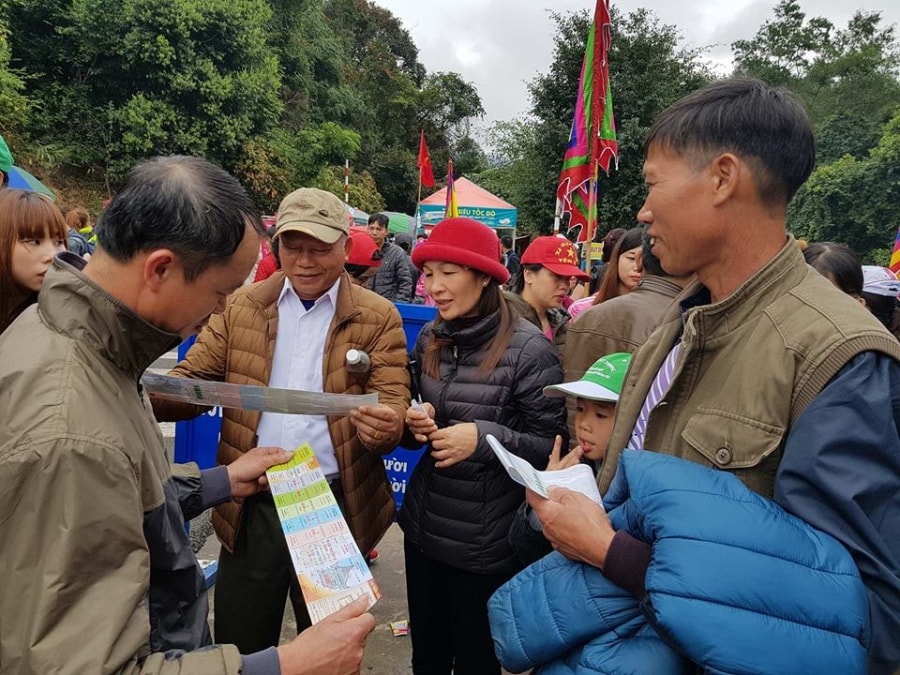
(461, 515)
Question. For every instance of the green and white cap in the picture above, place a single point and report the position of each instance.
(602, 382)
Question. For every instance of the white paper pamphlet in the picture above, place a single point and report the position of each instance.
(329, 566)
(251, 397)
(578, 478)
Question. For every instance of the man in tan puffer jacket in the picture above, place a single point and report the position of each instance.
(294, 331)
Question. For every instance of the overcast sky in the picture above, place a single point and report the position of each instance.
(499, 45)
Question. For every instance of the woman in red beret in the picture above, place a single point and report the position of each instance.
(483, 370)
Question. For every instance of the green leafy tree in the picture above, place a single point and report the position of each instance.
(275, 90)
(784, 48)
(366, 28)
(449, 104)
(468, 157)
(266, 171)
(381, 67)
(846, 77)
(364, 194)
(117, 81)
(394, 98)
(311, 55)
(854, 201)
(14, 105)
(274, 165)
(516, 168)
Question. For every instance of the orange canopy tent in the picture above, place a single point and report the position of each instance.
(474, 202)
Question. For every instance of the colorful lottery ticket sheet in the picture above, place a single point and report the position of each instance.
(330, 568)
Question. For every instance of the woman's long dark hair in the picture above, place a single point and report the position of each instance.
(838, 264)
(609, 288)
(491, 302)
(881, 306)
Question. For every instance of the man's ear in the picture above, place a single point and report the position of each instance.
(348, 246)
(727, 172)
(160, 266)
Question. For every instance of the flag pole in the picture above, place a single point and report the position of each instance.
(592, 217)
(347, 181)
(419, 198)
(557, 216)
(418, 219)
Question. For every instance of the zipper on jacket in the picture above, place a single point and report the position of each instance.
(445, 381)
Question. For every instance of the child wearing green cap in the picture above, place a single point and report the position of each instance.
(596, 395)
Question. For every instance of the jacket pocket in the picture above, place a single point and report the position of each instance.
(729, 441)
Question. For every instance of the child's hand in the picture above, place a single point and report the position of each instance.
(571, 459)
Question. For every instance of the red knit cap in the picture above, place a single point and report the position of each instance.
(466, 242)
(556, 254)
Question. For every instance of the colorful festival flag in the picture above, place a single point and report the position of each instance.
(895, 255)
(593, 138)
(452, 208)
(426, 175)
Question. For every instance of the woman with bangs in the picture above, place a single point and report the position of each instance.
(483, 370)
(622, 275)
(32, 231)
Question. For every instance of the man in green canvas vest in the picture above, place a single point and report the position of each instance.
(763, 369)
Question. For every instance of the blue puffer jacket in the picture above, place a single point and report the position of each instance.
(735, 585)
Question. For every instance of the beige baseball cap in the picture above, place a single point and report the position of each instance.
(314, 212)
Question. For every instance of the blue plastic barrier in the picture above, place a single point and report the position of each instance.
(400, 463)
(414, 319)
(198, 439)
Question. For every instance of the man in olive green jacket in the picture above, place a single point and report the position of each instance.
(99, 575)
(764, 369)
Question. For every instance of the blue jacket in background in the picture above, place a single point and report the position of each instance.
(77, 243)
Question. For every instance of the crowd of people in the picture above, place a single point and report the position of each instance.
(707, 334)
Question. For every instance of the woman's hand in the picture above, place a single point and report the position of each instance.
(421, 422)
(571, 459)
(453, 444)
